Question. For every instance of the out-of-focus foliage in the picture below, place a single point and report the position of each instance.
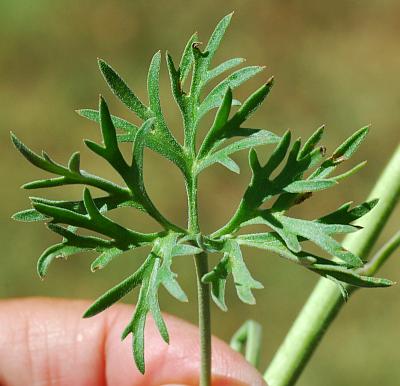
(335, 63)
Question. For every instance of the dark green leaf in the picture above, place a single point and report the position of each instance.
(349, 276)
(116, 293)
(57, 250)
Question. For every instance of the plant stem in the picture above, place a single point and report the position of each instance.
(203, 295)
(326, 300)
(203, 290)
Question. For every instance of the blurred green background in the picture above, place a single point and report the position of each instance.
(335, 63)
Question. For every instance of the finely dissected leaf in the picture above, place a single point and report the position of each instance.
(221, 118)
(221, 68)
(244, 283)
(57, 250)
(214, 98)
(95, 221)
(262, 137)
(312, 142)
(345, 215)
(290, 175)
(29, 215)
(304, 186)
(153, 87)
(105, 258)
(122, 91)
(159, 142)
(270, 242)
(119, 123)
(230, 164)
(342, 153)
(187, 59)
(116, 293)
(217, 35)
(167, 249)
(33, 158)
(349, 276)
(232, 262)
(184, 249)
(71, 238)
(157, 272)
(217, 278)
(251, 104)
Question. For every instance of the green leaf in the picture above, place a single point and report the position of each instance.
(263, 137)
(176, 86)
(74, 163)
(304, 186)
(342, 153)
(116, 293)
(153, 87)
(107, 256)
(225, 66)
(314, 232)
(119, 123)
(272, 242)
(214, 98)
(122, 91)
(41, 162)
(55, 251)
(252, 103)
(168, 248)
(217, 278)
(312, 142)
(345, 215)
(349, 172)
(187, 59)
(324, 267)
(29, 215)
(349, 276)
(184, 249)
(230, 164)
(71, 238)
(217, 35)
(244, 282)
(107, 202)
(221, 118)
(348, 147)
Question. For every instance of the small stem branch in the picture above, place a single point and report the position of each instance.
(326, 300)
(381, 256)
(203, 290)
(247, 340)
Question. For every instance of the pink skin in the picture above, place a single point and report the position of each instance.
(46, 342)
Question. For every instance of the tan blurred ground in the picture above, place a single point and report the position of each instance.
(336, 63)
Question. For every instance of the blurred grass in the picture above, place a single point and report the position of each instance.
(334, 62)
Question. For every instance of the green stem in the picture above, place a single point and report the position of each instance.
(203, 293)
(381, 256)
(247, 340)
(203, 290)
(326, 300)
